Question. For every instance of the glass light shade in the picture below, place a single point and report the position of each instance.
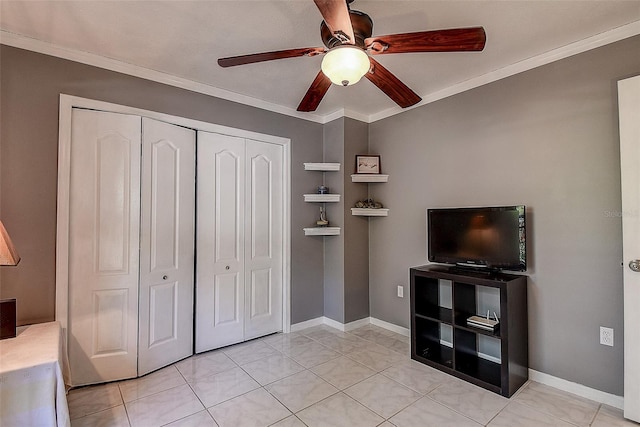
(8, 253)
(345, 65)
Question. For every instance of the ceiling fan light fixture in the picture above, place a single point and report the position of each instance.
(345, 65)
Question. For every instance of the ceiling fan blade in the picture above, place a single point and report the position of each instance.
(336, 16)
(316, 92)
(269, 56)
(453, 40)
(400, 93)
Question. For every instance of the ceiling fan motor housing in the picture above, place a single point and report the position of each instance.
(362, 29)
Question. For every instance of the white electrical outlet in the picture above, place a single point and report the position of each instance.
(400, 291)
(606, 336)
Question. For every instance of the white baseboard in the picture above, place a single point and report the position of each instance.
(334, 324)
(391, 327)
(307, 324)
(330, 322)
(357, 324)
(351, 325)
(577, 389)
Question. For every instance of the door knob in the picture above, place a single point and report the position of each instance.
(227, 267)
(165, 277)
(634, 265)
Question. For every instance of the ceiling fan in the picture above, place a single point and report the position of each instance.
(350, 49)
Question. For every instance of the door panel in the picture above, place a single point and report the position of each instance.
(104, 213)
(261, 293)
(220, 258)
(163, 313)
(167, 245)
(226, 289)
(629, 111)
(110, 322)
(263, 240)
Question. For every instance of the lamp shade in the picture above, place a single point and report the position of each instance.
(345, 65)
(8, 253)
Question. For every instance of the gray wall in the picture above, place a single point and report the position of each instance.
(547, 138)
(346, 257)
(334, 245)
(356, 228)
(30, 85)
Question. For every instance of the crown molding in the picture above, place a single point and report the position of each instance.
(22, 42)
(599, 40)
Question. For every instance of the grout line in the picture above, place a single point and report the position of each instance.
(124, 404)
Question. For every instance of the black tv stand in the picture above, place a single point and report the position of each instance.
(464, 269)
(433, 313)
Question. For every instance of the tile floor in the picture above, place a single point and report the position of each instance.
(323, 377)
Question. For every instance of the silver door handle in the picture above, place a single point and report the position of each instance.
(634, 265)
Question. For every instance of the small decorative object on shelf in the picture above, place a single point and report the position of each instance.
(322, 222)
(323, 190)
(484, 322)
(369, 207)
(367, 164)
(368, 204)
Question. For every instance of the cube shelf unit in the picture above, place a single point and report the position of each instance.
(443, 298)
(322, 198)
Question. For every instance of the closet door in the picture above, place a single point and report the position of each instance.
(104, 217)
(166, 245)
(220, 242)
(263, 239)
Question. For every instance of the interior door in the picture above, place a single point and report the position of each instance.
(104, 217)
(263, 239)
(220, 241)
(629, 111)
(166, 245)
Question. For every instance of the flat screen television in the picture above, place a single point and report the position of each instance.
(491, 238)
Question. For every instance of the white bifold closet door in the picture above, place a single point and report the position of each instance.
(239, 246)
(167, 242)
(104, 221)
(130, 246)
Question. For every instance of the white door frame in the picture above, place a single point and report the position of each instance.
(629, 106)
(67, 103)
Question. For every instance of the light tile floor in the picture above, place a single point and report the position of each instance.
(321, 377)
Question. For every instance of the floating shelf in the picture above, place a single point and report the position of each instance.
(360, 177)
(324, 167)
(321, 198)
(322, 231)
(369, 212)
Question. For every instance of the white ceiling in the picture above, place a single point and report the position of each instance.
(179, 42)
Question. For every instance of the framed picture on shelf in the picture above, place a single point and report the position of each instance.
(367, 164)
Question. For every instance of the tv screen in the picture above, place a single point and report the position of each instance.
(488, 237)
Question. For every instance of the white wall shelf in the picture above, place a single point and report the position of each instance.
(369, 212)
(322, 231)
(360, 177)
(324, 167)
(322, 198)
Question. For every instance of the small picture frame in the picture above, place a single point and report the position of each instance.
(367, 164)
